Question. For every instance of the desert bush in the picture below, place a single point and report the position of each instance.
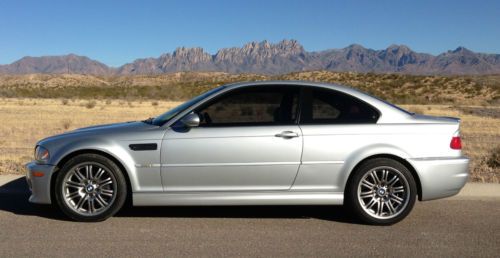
(154, 103)
(64, 101)
(90, 104)
(398, 88)
(494, 158)
(66, 123)
(417, 110)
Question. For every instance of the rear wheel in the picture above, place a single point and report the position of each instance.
(382, 191)
(90, 187)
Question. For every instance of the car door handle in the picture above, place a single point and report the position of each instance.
(287, 134)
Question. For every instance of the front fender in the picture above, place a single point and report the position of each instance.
(106, 146)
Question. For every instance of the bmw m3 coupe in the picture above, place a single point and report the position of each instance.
(257, 143)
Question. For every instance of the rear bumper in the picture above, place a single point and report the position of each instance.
(39, 185)
(441, 177)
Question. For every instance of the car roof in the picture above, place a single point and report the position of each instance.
(337, 87)
(278, 82)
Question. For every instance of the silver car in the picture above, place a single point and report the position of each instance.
(257, 143)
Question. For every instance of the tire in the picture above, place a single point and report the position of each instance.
(90, 188)
(381, 198)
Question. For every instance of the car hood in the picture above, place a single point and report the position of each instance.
(114, 126)
(115, 130)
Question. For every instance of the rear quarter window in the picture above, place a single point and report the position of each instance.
(324, 106)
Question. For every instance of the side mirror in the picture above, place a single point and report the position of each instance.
(191, 120)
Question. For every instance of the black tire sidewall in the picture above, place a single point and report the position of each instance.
(121, 186)
(352, 198)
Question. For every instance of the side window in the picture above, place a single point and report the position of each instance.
(260, 105)
(323, 106)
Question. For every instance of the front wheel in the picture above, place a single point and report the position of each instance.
(382, 191)
(89, 188)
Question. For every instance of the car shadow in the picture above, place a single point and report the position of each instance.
(14, 198)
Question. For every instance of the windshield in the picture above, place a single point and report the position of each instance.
(165, 117)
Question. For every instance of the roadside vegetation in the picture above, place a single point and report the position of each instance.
(397, 88)
(36, 106)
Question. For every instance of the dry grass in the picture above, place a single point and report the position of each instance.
(25, 121)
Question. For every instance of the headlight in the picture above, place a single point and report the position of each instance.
(41, 154)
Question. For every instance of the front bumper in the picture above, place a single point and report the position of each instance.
(441, 177)
(39, 184)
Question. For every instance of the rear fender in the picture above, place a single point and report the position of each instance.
(368, 151)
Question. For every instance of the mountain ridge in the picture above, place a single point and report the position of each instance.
(273, 58)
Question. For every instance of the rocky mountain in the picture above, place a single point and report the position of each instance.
(56, 65)
(254, 57)
(268, 58)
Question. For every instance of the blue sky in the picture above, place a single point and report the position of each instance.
(117, 32)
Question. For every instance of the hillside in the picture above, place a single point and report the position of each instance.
(267, 58)
(56, 65)
(398, 88)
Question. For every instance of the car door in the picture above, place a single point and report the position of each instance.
(334, 125)
(248, 140)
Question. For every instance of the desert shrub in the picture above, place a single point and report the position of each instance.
(108, 102)
(398, 88)
(417, 110)
(154, 103)
(90, 104)
(66, 123)
(494, 158)
(64, 101)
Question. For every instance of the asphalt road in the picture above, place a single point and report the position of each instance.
(458, 228)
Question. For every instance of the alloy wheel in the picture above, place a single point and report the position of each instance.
(383, 192)
(89, 188)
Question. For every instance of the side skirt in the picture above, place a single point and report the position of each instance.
(232, 198)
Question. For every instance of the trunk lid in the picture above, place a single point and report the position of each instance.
(435, 119)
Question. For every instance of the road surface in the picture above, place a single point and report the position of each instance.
(458, 228)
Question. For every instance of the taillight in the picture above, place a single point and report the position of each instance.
(456, 143)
